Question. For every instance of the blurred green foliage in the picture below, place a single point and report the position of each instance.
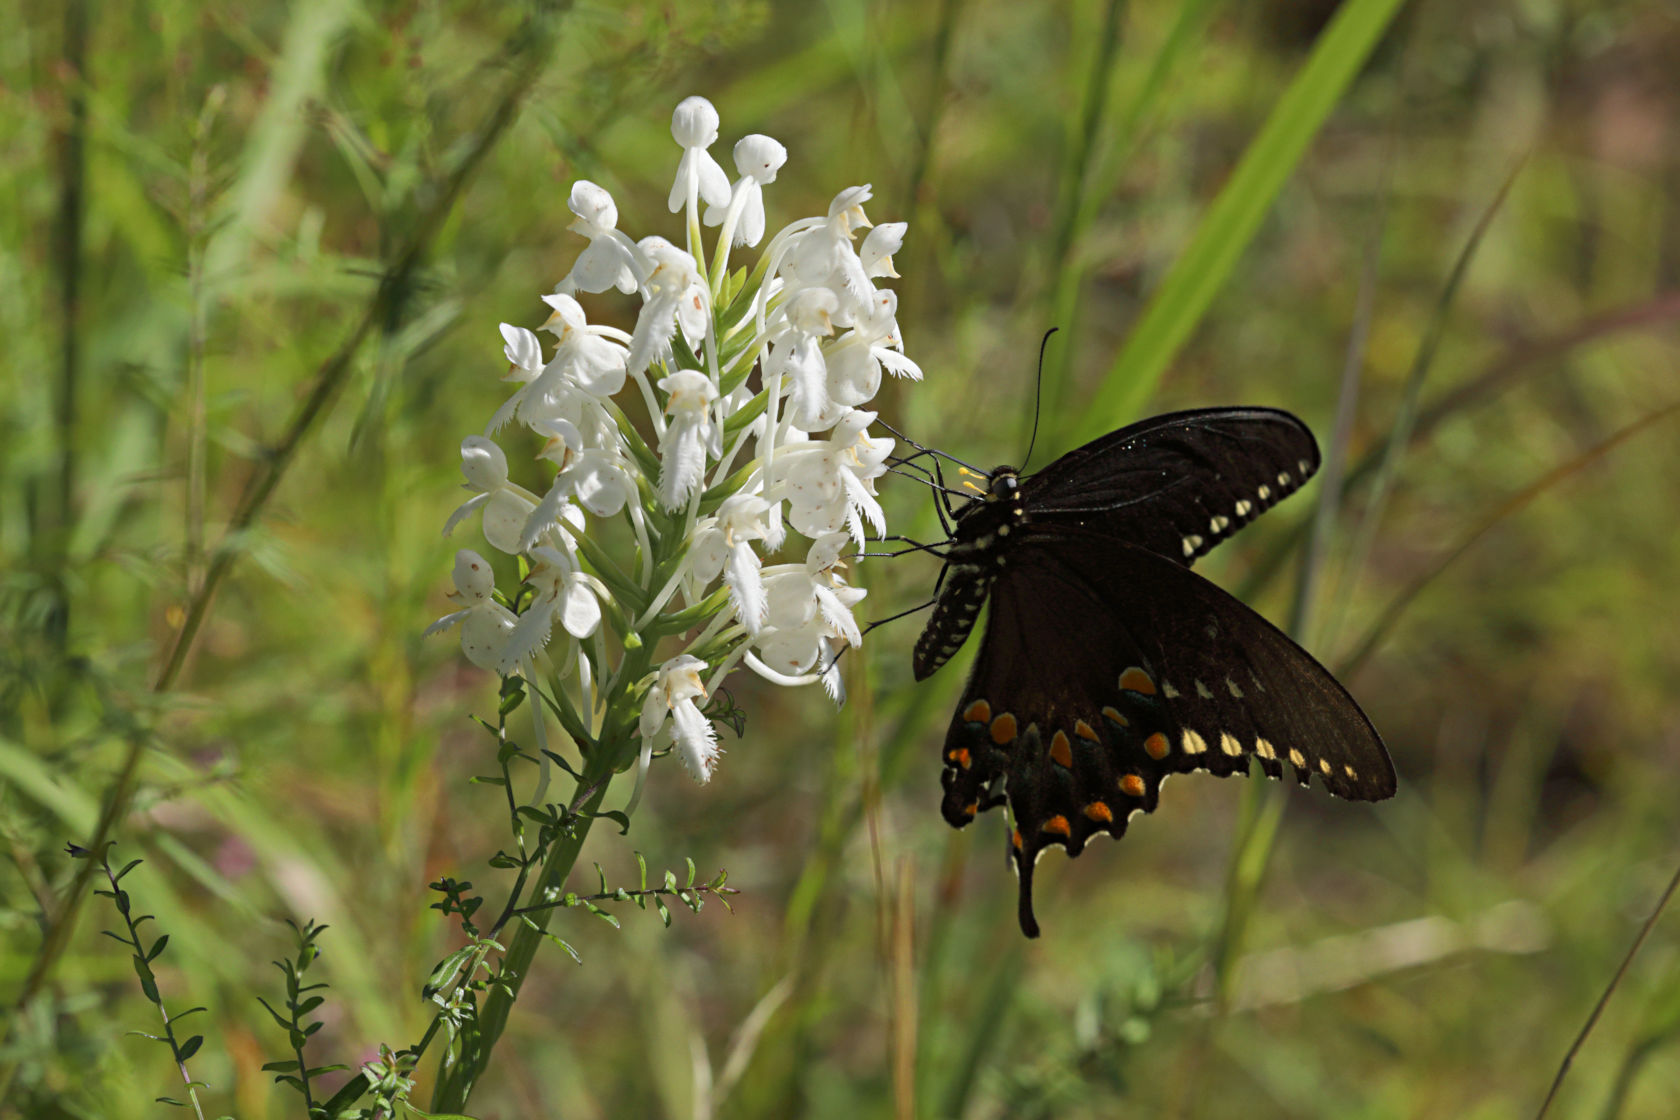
(194, 231)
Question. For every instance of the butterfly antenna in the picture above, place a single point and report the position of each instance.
(1038, 396)
(924, 450)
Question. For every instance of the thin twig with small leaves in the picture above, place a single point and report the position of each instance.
(690, 894)
(143, 957)
(299, 1004)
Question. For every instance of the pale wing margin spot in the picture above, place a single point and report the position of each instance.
(1194, 743)
(1236, 693)
(1204, 691)
(1243, 507)
(1264, 750)
(1228, 743)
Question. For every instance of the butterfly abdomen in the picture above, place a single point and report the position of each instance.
(972, 562)
(966, 586)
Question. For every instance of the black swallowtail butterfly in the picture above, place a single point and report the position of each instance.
(1106, 664)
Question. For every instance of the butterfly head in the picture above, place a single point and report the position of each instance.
(1002, 484)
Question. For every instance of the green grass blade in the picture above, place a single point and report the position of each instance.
(1231, 221)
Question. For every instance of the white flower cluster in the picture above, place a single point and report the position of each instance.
(710, 480)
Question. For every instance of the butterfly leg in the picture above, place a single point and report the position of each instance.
(935, 481)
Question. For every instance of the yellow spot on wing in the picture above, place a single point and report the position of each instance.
(1003, 729)
(1298, 759)
(1324, 765)
(1193, 743)
(1228, 743)
(1136, 680)
(1350, 772)
(1264, 749)
(1061, 750)
(978, 712)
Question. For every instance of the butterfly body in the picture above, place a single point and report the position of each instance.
(1105, 664)
(976, 555)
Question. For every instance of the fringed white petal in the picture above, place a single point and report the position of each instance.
(838, 616)
(745, 578)
(684, 461)
(696, 740)
(531, 633)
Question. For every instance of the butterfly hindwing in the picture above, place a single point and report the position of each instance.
(1105, 668)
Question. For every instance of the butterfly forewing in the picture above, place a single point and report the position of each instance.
(1105, 665)
(1178, 484)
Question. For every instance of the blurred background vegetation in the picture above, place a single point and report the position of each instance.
(192, 235)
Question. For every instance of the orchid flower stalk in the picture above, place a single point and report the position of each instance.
(677, 500)
(746, 420)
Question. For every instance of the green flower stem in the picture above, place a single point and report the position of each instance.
(457, 1082)
(608, 754)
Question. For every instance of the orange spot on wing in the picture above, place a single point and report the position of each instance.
(960, 757)
(1099, 812)
(1136, 680)
(1003, 729)
(1015, 839)
(1156, 746)
(1062, 750)
(1058, 825)
(971, 808)
(1132, 786)
(978, 712)
(1085, 731)
(1114, 715)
